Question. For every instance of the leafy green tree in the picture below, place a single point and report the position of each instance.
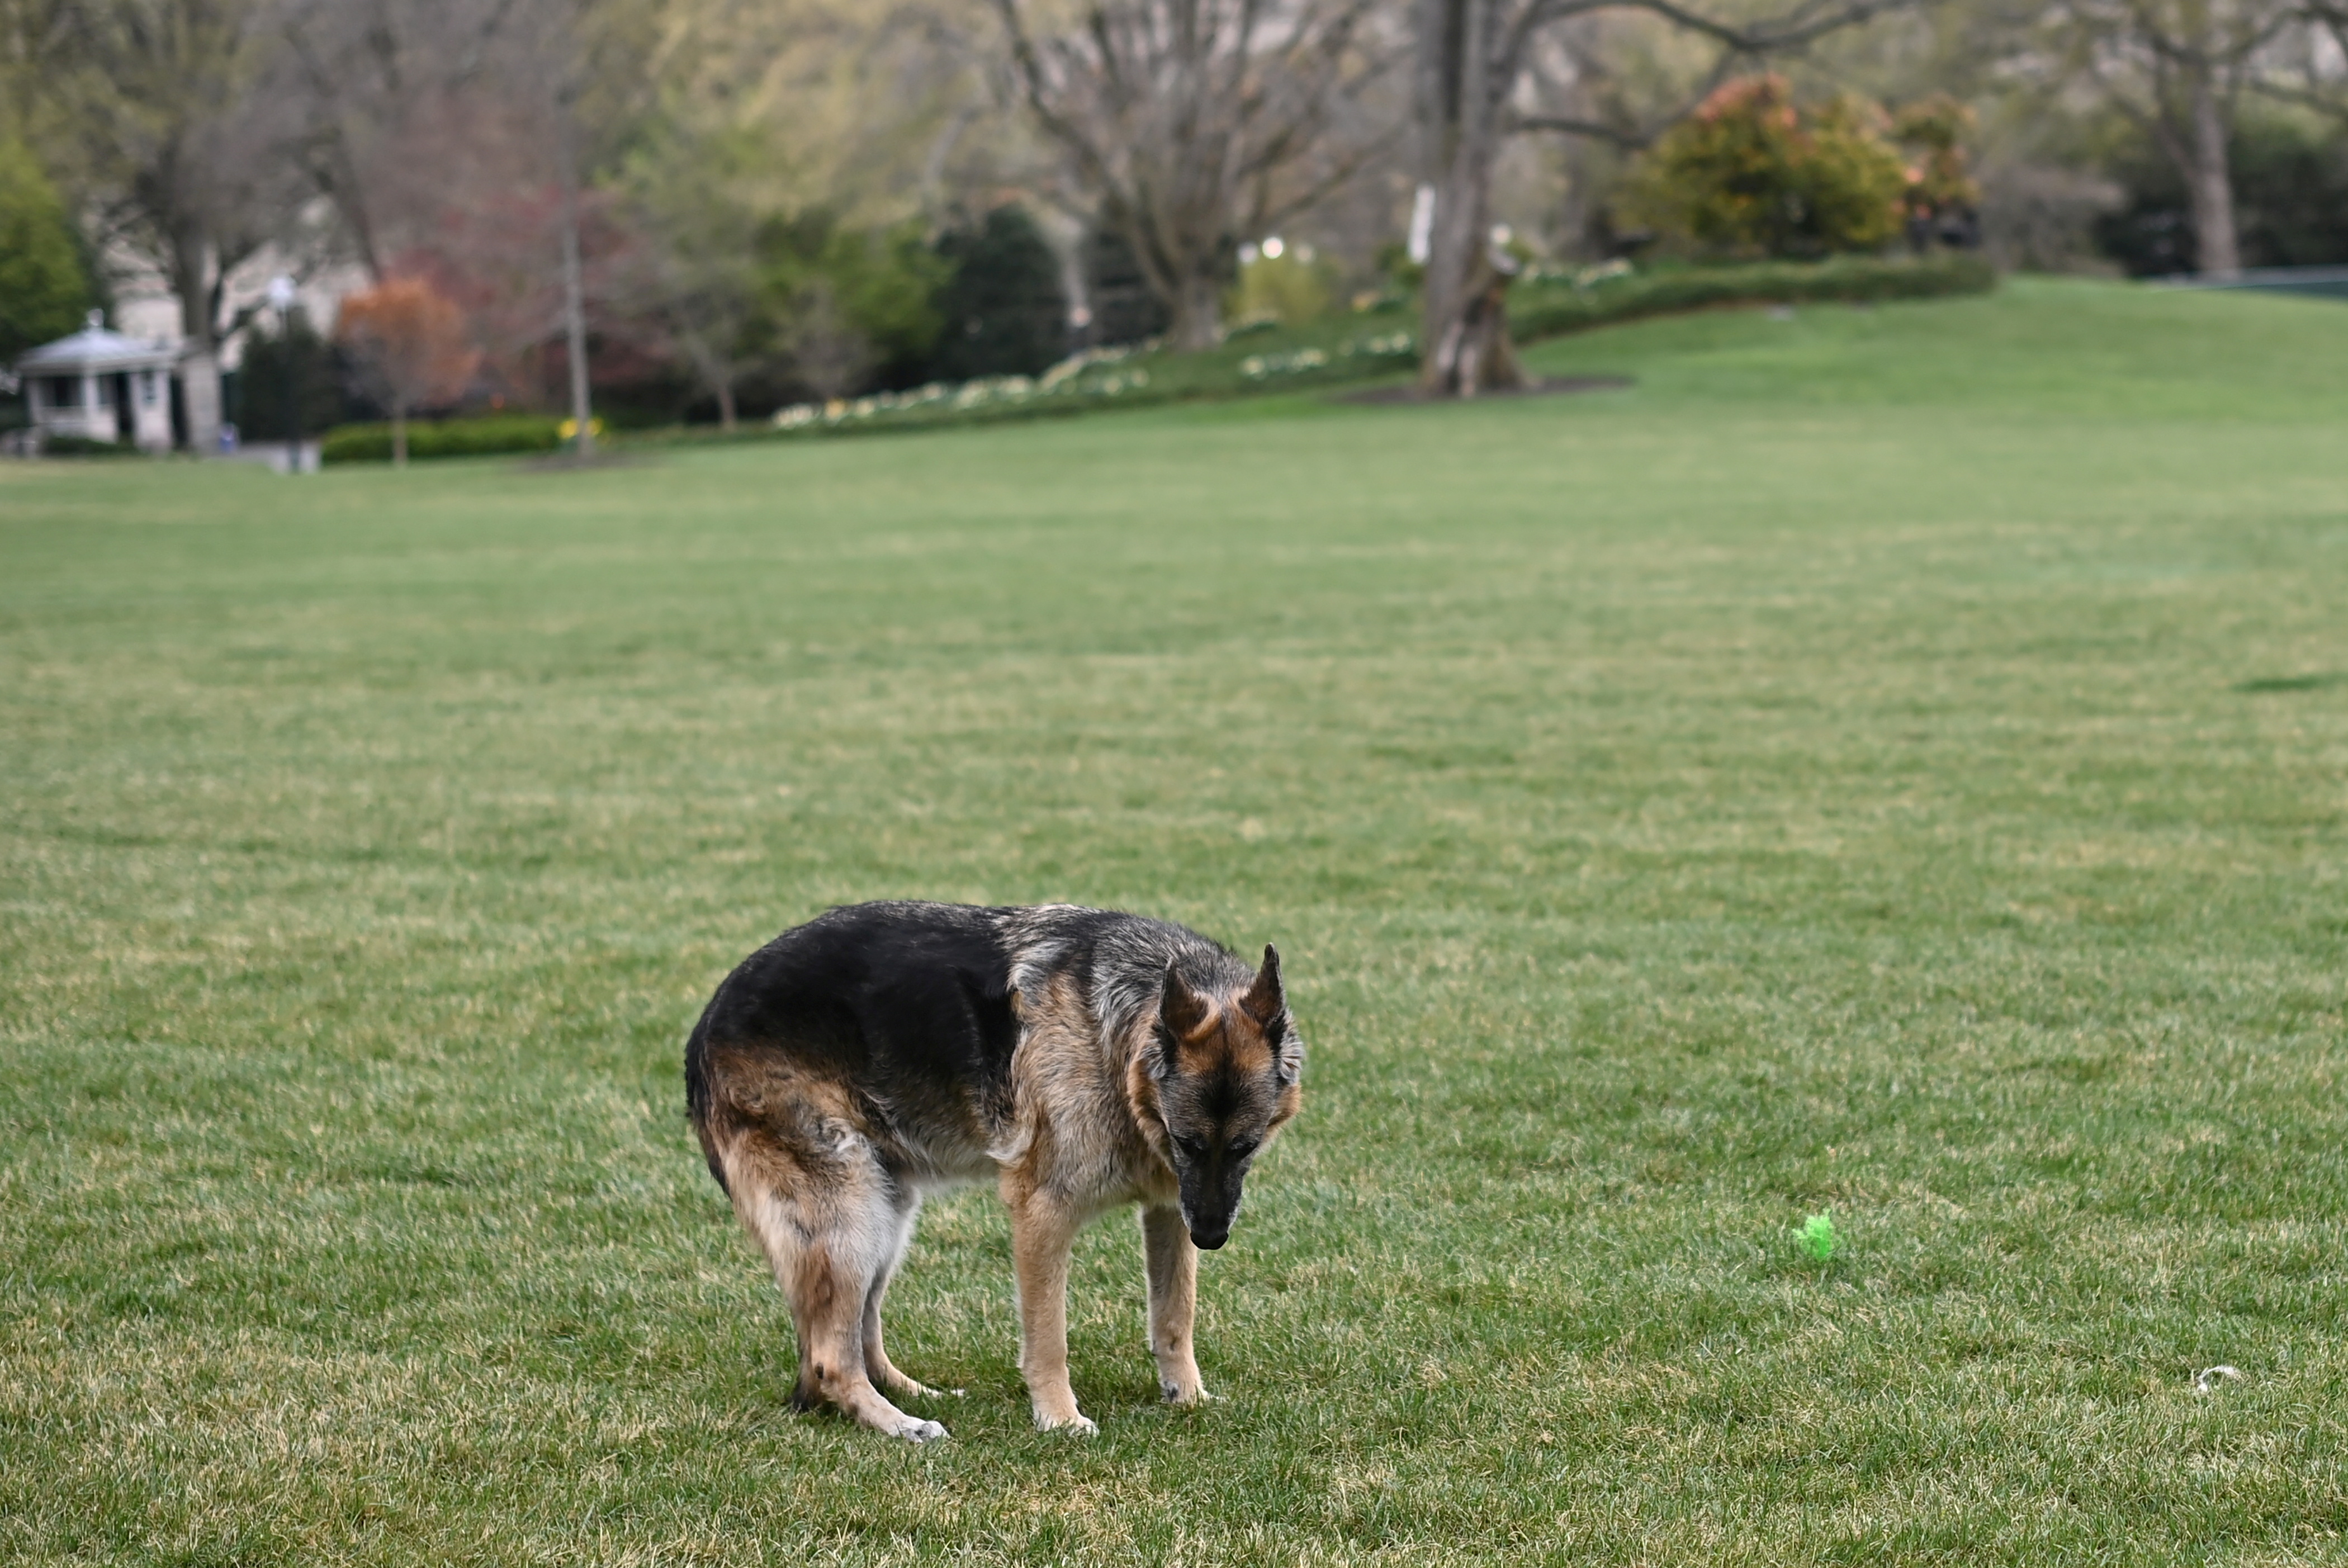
(43, 292)
(1752, 173)
(840, 304)
(1001, 310)
(694, 194)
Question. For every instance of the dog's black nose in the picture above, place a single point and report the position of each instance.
(1208, 1240)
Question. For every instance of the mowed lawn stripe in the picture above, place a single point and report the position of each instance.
(1887, 763)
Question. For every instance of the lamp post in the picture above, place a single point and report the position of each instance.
(281, 294)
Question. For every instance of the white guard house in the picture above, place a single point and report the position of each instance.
(101, 385)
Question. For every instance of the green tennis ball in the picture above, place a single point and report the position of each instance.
(1818, 1233)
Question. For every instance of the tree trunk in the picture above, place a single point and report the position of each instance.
(399, 433)
(200, 372)
(1198, 306)
(1464, 339)
(726, 419)
(200, 390)
(574, 322)
(2217, 252)
(1475, 353)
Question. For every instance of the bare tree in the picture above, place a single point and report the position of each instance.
(2176, 69)
(1471, 59)
(383, 80)
(1196, 124)
(425, 109)
(2312, 67)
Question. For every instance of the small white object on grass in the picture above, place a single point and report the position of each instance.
(2206, 1380)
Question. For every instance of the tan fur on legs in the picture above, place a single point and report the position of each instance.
(1042, 1231)
(1173, 1265)
(832, 1348)
(877, 1365)
(826, 1257)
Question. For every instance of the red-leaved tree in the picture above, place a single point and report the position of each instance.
(409, 343)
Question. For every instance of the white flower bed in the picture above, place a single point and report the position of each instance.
(1580, 277)
(1264, 366)
(1088, 374)
(1095, 375)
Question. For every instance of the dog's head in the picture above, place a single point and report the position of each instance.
(1225, 1065)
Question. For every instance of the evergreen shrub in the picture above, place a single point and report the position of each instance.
(1124, 309)
(290, 384)
(1002, 308)
(1754, 174)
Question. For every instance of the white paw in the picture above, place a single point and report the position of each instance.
(1077, 1426)
(1174, 1395)
(922, 1432)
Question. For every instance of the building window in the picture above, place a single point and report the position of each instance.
(104, 387)
(65, 391)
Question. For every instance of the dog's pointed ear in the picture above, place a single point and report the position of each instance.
(1264, 1000)
(1180, 1009)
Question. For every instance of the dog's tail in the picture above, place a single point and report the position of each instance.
(696, 1091)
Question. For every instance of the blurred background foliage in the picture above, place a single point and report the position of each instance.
(45, 286)
(819, 198)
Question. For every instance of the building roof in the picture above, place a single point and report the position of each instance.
(95, 348)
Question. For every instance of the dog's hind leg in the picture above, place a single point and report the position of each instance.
(877, 1365)
(829, 1243)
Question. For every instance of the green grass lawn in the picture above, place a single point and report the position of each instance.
(1890, 763)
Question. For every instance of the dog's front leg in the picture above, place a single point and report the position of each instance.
(1173, 1303)
(1042, 1229)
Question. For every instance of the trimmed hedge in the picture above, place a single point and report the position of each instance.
(1548, 307)
(445, 439)
(83, 447)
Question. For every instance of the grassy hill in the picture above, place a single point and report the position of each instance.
(1887, 763)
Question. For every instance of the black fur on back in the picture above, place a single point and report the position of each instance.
(911, 1004)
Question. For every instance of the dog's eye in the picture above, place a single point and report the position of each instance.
(1191, 1148)
(1240, 1147)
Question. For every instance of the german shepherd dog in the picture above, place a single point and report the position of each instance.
(1081, 1058)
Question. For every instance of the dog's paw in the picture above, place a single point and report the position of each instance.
(1075, 1425)
(920, 1431)
(1186, 1399)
